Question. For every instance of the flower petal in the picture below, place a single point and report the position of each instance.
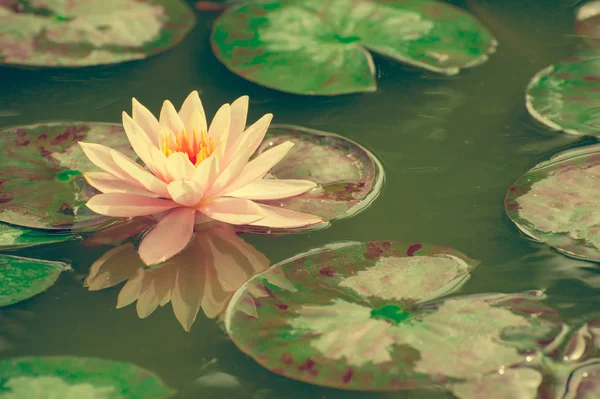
(128, 205)
(170, 118)
(251, 138)
(192, 105)
(145, 120)
(233, 210)
(170, 235)
(239, 115)
(219, 128)
(206, 173)
(100, 156)
(270, 189)
(282, 218)
(179, 167)
(138, 139)
(107, 183)
(145, 178)
(185, 192)
(261, 165)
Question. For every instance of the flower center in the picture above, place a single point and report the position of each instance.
(196, 147)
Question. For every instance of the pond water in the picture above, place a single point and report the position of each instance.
(450, 147)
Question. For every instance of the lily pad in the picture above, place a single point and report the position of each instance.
(320, 47)
(78, 377)
(349, 177)
(13, 237)
(23, 278)
(556, 202)
(41, 170)
(521, 382)
(77, 33)
(369, 317)
(566, 96)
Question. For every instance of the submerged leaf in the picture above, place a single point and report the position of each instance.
(349, 177)
(320, 47)
(369, 317)
(41, 170)
(21, 278)
(78, 377)
(557, 202)
(89, 32)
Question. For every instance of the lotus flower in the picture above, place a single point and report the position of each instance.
(204, 275)
(193, 174)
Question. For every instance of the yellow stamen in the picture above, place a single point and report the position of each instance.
(196, 147)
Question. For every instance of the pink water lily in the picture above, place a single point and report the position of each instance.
(194, 173)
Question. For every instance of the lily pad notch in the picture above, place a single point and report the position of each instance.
(321, 47)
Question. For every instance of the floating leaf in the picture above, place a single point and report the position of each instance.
(368, 317)
(522, 383)
(78, 377)
(22, 278)
(557, 202)
(565, 96)
(320, 47)
(349, 176)
(41, 172)
(14, 237)
(79, 33)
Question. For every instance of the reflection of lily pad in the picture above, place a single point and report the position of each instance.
(13, 237)
(566, 96)
(320, 47)
(41, 173)
(557, 202)
(89, 32)
(22, 278)
(350, 177)
(78, 377)
(368, 317)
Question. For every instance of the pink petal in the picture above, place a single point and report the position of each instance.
(179, 167)
(159, 163)
(170, 235)
(138, 139)
(206, 173)
(145, 120)
(107, 183)
(281, 218)
(270, 189)
(145, 178)
(261, 165)
(128, 205)
(227, 177)
(250, 139)
(191, 105)
(197, 124)
(233, 210)
(188, 291)
(170, 118)
(186, 193)
(239, 114)
(219, 127)
(100, 156)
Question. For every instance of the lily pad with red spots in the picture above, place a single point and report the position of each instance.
(566, 96)
(78, 377)
(77, 33)
(372, 317)
(557, 202)
(321, 47)
(349, 177)
(41, 181)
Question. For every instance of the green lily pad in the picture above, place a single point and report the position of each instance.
(41, 170)
(14, 237)
(521, 382)
(320, 47)
(566, 96)
(23, 278)
(369, 317)
(556, 202)
(78, 377)
(77, 33)
(350, 178)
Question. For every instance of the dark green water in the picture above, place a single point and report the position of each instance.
(450, 147)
